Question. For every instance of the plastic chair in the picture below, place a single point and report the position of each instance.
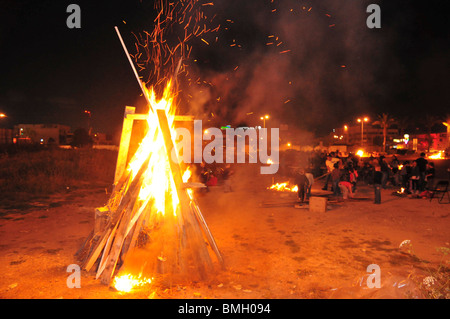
(440, 188)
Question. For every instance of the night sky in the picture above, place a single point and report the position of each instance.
(334, 68)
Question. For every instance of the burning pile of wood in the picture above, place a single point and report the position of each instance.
(152, 224)
(151, 213)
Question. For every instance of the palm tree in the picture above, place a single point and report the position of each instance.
(385, 121)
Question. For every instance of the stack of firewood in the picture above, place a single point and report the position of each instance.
(127, 227)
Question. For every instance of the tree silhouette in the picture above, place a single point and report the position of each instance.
(384, 121)
(81, 138)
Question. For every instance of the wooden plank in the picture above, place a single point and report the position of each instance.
(116, 215)
(112, 258)
(102, 263)
(122, 156)
(92, 259)
(192, 227)
(206, 231)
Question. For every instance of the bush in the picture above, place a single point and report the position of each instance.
(52, 170)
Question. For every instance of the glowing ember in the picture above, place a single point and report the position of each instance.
(360, 153)
(126, 283)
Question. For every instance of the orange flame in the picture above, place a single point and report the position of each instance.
(127, 282)
(438, 155)
(158, 180)
(158, 185)
(283, 187)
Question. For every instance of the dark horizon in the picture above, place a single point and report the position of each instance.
(336, 70)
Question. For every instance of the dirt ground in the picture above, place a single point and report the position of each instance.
(271, 249)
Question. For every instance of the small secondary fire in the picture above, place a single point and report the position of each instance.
(438, 155)
(126, 283)
(283, 187)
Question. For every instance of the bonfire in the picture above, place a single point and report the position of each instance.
(152, 226)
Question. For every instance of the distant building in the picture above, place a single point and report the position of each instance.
(6, 136)
(102, 139)
(432, 142)
(371, 137)
(42, 133)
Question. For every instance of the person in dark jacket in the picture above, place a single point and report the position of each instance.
(422, 165)
(336, 175)
(405, 175)
(377, 180)
(302, 183)
(429, 175)
(415, 178)
(384, 171)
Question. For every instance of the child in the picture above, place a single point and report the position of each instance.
(335, 178)
(345, 185)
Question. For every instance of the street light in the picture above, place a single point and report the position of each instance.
(346, 133)
(2, 115)
(89, 120)
(264, 118)
(362, 128)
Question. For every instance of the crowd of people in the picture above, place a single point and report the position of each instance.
(213, 175)
(342, 174)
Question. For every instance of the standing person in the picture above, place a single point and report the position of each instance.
(329, 166)
(429, 175)
(384, 167)
(353, 176)
(405, 175)
(310, 178)
(422, 164)
(395, 163)
(336, 178)
(415, 177)
(302, 184)
(227, 172)
(377, 178)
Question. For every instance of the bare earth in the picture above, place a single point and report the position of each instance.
(271, 249)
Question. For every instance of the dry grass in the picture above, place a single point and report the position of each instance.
(37, 171)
